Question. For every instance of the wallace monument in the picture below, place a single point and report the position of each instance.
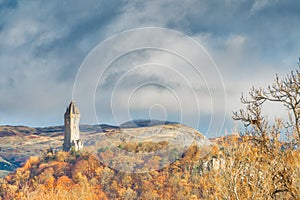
(71, 128)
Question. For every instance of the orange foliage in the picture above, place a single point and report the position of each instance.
(64, 183)
(244, 170)
(31, 161)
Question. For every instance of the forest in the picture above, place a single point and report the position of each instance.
(236, 168)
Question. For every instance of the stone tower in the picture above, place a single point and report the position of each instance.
(72, 132)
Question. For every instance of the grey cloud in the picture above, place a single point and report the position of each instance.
(44, 43)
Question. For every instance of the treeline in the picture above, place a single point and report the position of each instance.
(236, 168)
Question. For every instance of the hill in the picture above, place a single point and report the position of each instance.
(235, 168)
(69, 175)
(144, 123)
(165, 161)
(18, 143)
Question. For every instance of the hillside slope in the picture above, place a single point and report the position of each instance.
(18, 143)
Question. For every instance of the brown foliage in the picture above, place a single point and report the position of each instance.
(236, 170)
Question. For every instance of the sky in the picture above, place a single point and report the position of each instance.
(47, 49)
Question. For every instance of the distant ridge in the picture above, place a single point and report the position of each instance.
(8, 130)
(145, 123)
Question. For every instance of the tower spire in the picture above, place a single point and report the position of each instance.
(71, 128)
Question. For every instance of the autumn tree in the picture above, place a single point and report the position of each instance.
(284, 91)
(262, 159)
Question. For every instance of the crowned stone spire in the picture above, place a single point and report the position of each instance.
(72, 132)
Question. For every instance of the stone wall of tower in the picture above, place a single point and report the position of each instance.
(71, 128)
